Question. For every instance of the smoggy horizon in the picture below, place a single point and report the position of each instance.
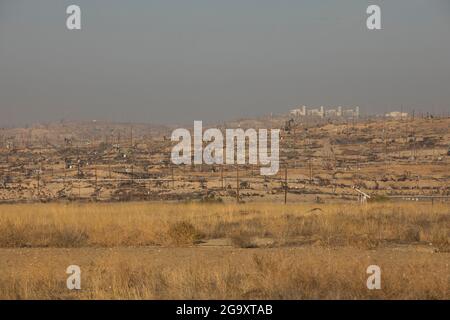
(167, 62)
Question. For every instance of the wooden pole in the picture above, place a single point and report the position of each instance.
(131, 138)
(96, 183)
(285, 184)
(173, 180)
(38, 183)
(237, 183)
(221, 176)
(95, 173)
(385, 143)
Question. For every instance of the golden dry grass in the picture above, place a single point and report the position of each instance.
(138, 224)
(153, 251)
(223, 273)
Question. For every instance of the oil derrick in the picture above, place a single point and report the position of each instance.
(288, 125)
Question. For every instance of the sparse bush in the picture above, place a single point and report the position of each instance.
(183, 233)
(67, 237)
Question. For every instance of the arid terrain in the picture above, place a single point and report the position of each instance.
(403, 159)
(105, 197)
(224, 251)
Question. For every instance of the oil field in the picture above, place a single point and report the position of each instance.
(399, 159)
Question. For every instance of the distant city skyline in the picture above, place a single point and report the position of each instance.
(166, 62)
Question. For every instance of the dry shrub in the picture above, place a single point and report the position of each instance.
(183, 233)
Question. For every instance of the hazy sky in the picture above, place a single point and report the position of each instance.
(170, 61)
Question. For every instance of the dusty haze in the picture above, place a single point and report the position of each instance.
(173, 61)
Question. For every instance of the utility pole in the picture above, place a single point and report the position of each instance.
(38, 183)
(96, 183)
(78, 169)
(385, 144)
(95, 173)
(237, 183)
(285, 184)
(173, 180)
(148, 181)
(221, 176)
(131, 138)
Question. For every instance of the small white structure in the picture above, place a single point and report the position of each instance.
(304, 111)
(362, 196)
(300, 112)
(396, 115)
(331, 113)
(316, 112)
(351, 113)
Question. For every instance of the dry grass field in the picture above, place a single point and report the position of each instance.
(222, 251)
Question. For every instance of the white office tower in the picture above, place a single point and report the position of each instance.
(303, 112)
